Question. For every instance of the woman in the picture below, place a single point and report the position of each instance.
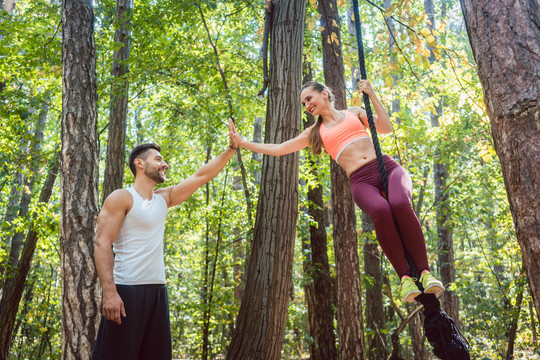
(343, 135)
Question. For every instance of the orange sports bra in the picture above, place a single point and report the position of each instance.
(336, 138)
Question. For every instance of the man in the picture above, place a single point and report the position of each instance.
(135, 322)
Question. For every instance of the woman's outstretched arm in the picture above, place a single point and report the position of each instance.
(286, 147)
(382, 120)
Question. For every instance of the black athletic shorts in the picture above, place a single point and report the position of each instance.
(145, 332)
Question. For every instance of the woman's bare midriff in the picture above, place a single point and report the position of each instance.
(356, 155)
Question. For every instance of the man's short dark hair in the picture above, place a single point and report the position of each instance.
(140, 151)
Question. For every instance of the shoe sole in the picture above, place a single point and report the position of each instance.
(411, 297)
(436, 290)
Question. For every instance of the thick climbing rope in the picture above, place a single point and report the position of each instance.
(367, 104)
(441, 331)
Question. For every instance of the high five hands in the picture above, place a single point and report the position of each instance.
(234, 137)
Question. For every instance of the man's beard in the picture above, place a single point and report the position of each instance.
(154, 175)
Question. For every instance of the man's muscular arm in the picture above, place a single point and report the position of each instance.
(109, 222)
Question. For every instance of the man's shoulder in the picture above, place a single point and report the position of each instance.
(119, 199)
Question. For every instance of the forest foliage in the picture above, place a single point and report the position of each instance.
(177, 99)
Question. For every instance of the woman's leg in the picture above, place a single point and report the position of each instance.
(399, 191)
(369, 199)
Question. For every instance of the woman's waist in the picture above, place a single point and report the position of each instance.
(355, 155)
(371, 166)
(352, 165)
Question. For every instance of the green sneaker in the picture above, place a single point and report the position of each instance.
(430, 284)
(409, 290)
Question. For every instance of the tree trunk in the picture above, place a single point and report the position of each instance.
(505, 39)
(449, 300)
(318, 281)
(79, 181)
(514, 324)
(8, 5)
(375, 339)
(116, 143)
(12, 210)
(260, 326)
(349, 292)
(206, 271)
(418, 340)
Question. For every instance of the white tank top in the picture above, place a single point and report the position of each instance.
(139, 246)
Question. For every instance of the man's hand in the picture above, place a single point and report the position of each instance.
(113, 307)
(234, 137)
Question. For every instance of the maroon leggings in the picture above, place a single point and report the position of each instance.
(396, 223)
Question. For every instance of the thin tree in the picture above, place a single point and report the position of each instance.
(349, 292)
(505, 39)
(318, 283)
(116, 143)
(377, 347)
(260, 325)
(449, 300)
(79, 181)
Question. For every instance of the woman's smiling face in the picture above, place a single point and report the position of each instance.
(313, 100)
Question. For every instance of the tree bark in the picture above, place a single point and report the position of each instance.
(8, 5)
(260, 326)
(116, 142)
(505, 39)
(318, 281)
(514, 324)
(349, 292)
(418, 340)
(375, 339)
(79, 181)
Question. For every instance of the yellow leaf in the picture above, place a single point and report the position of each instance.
(334, 38)
(426, 53)
(431, 40)
(413, 22)
(389, 81)
(442, 28)
(321, 29)
(313, 2)
(311, 25)
(385, 71)
(334, 23)
(356, 99)
(391, 9)
(341, 3)
(487, 157)
(403, 36)
(391, 66)
(425, 32)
